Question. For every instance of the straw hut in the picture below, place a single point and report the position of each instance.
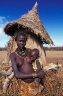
(35, 29)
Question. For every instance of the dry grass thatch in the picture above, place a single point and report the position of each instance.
(31, 23)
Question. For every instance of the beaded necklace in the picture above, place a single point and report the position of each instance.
(21, 52)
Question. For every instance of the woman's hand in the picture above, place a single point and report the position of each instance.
(41, 74)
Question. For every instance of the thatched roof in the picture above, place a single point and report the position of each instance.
(32, 24)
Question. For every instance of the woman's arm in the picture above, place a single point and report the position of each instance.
(18, 74)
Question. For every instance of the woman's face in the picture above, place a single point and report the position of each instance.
(21, 41)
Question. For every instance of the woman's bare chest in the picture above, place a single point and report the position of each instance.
(23, 60)
(24, 64)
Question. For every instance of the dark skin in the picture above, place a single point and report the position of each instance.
(22, 65)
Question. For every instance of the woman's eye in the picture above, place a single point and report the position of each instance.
(21, 41)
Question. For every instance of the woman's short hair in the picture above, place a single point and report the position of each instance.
(20, 33)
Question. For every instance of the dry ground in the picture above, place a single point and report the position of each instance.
(53, 83)
(55, 56)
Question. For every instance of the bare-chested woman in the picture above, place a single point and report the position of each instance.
(22, 60)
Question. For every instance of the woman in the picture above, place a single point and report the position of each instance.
(22, 60)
